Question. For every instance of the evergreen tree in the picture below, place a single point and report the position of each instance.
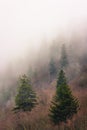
(63, 59)
(52, 67)
(26, 98)
(64, 104)
(61, 79)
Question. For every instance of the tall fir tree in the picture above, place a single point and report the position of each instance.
(25, 99)
(64, 105)
(63, 59)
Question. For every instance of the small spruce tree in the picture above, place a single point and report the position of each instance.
(25, 99)
(64, 104)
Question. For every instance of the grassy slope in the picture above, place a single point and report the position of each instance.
(38, 119)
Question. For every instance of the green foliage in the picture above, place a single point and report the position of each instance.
(64, 59)
(61, 79)
(64, 104)
(26, 98)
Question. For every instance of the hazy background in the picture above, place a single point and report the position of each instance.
(24, 24)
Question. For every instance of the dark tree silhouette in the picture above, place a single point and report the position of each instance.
(25, 99)
(64, 104)
(63, 59)
(52, 68)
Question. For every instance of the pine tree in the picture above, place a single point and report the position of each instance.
(64, 105)
(63, 59)
(52, 67)
(25, 99)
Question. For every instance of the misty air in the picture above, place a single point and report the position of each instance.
(43, 65)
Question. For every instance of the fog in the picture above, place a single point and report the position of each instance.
(32, 32)
(25, 24)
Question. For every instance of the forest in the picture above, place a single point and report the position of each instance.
(43, 64)
(50, 90)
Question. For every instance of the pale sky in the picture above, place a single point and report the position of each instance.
(24, 22)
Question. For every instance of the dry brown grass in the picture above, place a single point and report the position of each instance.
(38, 119)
